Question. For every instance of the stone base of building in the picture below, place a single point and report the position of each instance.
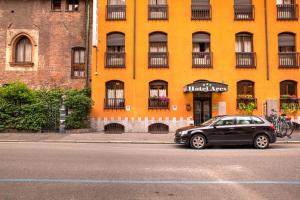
(140, 125)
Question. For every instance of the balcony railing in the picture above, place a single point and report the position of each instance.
(116, 12)
(115, 60)
(158, 59)
(202, 59)
(114, 103)
(288, 60)
(244, 12)
(289, 101)
(245, 59)
(245, 101)
(156, 103)
(157, 12)
(287, 12)
(201, 12)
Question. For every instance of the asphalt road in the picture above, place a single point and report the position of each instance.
(134, 172)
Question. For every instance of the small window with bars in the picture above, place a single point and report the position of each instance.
(56, 5)
(72, 5)
(78, 62)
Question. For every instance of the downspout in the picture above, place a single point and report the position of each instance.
(134, 42)
(87, 43)
(267, 41)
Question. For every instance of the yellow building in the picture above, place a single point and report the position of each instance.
(162, 64)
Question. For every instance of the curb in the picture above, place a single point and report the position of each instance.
(116, 142)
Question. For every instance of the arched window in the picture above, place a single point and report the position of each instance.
(287, 50)
(114, 94)
(158, 94)
(201, 50)
(245, 57)
(114, 128)
(115, 50)
(245, 89)
(288, 89)
(157, 9)
(243, 42)
(288, 94)
(158, 49)
(158, 128)
(116, 10)
(23, 50)
(245, 93)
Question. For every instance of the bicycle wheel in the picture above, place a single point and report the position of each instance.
(283, 128)
(291, 129)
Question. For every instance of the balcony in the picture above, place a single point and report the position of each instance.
(157, 12)
(245, 59)
(114, 103)
(116, 12)
(202, 59)
(115, 60)
(245, 100)
(289, 101)
(244, 12)
(288, 60)
(158, 59)
(158, 103)
(287, 12)
(201, 12)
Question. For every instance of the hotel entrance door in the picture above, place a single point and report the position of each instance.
(202, 107)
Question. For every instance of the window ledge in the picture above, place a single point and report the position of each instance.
(25, 64)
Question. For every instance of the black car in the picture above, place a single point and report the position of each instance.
(228, 130)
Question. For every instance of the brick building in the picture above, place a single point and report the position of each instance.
(44, 43)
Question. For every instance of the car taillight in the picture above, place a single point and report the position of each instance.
(272, 127)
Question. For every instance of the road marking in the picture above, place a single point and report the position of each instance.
(165, 182)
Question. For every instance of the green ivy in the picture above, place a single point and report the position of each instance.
(33, 110)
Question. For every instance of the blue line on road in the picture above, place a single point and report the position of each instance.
(166, 182)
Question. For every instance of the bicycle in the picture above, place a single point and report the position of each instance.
(284, 127)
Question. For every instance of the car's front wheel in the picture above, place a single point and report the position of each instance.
(261, 141)
(198, 141)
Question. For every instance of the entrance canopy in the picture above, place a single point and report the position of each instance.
(206, 86)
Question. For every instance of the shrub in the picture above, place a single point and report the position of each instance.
(35, 110)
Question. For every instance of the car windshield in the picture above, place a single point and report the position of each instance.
(210, 121)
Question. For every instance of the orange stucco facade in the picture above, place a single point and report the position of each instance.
(179, 28)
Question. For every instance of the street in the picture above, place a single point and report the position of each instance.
(71, 171)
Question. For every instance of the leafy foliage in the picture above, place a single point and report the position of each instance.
(247, 109)
(35, 110)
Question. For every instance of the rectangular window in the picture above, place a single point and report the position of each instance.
(201, 10)
(72, 5)
(56, 5)
(116, 10)
(78, 63)
(157, 10)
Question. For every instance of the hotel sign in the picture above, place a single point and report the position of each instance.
(206, 86)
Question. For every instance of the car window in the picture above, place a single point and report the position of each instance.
(226, 121)
(257, 120)
(244, 120)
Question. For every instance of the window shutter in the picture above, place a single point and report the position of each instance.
(201, 37)
(158, 37)
(239, 2)
(116, 39)
(200, 2)
(286, 39)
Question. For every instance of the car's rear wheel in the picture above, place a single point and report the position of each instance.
(198, 141)
(261, 141)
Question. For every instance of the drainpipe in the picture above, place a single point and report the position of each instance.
(134, 42)
(267, 41)
(87, 43)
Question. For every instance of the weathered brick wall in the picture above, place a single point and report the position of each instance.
(58, 32)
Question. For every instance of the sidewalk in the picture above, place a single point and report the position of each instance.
(134, 138)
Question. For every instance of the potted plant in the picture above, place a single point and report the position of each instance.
(247, 109)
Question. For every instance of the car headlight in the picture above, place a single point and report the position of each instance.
(182, 133)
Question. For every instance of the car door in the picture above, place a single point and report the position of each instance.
(244, 129)
(224, 130)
